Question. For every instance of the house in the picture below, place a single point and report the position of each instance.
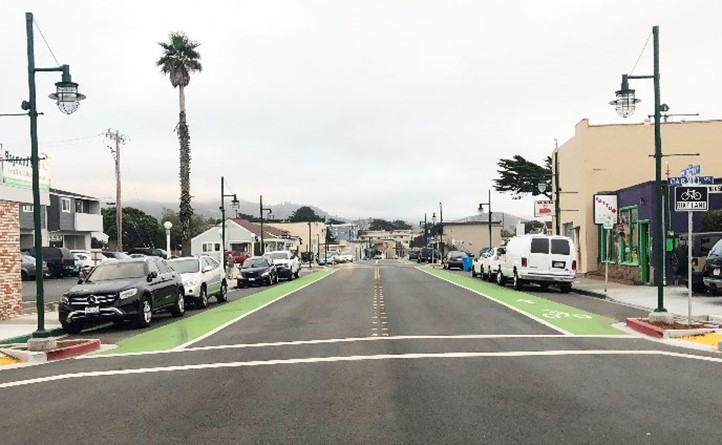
(300, 230)
(242, 236)
(344, 232)
(73, 219)
(603, 158)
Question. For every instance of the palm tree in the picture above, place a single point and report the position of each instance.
(180, 58)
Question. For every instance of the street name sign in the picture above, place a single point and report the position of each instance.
(690, 180)
(691, 199)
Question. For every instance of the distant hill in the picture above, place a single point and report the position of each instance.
(210, 208)
(509, 221)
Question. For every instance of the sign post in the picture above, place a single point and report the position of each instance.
(605, 213)
(608, 226)
(690, 199)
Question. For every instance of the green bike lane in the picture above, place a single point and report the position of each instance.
(564, 318)
(202, 324)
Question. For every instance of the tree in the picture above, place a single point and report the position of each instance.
(178, 61)
(304, 214)
(381, 224)
(519, 176)
(712, 221)
(334, 221)
(198, 225)
(534, 226)
(330, 238)
(400, 225)
(139, 228)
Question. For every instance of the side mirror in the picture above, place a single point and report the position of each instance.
(80, 281)
(207, 269)
(153, 275)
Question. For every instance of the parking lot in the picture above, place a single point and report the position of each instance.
(54, 288)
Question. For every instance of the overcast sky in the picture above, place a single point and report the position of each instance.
(363, 108)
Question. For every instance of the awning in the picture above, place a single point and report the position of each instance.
(100, 236)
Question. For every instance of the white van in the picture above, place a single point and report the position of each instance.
(538, 259)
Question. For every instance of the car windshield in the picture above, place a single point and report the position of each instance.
(185, 265)
(117, 271)
(277, 255)
(28, 258)
(253, 263)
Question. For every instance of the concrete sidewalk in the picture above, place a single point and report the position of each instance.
(22, 326)
(675, 297)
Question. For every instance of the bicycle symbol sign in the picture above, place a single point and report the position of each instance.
(691, 199)
(553, 313)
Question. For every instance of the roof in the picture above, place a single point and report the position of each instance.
(470, 223)
(54, 191)
(268, 230)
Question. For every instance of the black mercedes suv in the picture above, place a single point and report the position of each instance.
(118, 290)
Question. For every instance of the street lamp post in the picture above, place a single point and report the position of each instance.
(168, 225)
(222, 208)
(270, 212)
(67, 98)
(481, 210)
(308, 246)
(441, 228)
(625, 104)
(433, 224)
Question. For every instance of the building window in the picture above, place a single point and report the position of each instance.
(65, 205)
(607, 236)
(78, 206)
(628, 240)
(27, 208)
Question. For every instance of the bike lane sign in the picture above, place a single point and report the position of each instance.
(691, 199)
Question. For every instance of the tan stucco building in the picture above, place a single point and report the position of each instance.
(471, 236)
(300, 230)
(601, 158)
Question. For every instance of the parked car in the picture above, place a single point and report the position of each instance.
(118, 290)
(239, 257)
(83, 262)
(286, 262)
(426, 254)
(476, 268)
(702, 244)
(344, 258)
(488, 263)
(257, 270)
(326, 259)
(27, 267)
(455, 259)
(712, 275)
(202, 277)
(116, 255)
(60, 260)
(149, 251)
(380, 256)
(539, 259)
(413, 254)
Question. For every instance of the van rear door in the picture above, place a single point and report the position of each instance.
(561, 256)
(539, 254)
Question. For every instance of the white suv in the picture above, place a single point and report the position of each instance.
(287, 263)
(538, 259)
(488, 263)
(202, 276)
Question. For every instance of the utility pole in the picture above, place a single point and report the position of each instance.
(441, 229)
(557, 191)
(119, 139)
(263, 249)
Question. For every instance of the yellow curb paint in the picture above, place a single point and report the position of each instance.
(711, 339)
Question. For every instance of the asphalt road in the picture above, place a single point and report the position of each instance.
(437, 364)
(53, 288)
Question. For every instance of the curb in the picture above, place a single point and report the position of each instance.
(78, 348)
(590, 293)
(24, 338)
(645, 328)
(678, 333)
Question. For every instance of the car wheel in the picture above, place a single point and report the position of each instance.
(500, 280)
(295, 275)
(71, 328)
(23, 275)
(203, 298)
(544, 286)
(518, 282)
(222, 297)
(473, 273)
(145, 314)
(565, 288)
(179, 308)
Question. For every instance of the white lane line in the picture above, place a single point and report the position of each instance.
(353, 358)
(240, 317)
(357, 339)
(535, 318)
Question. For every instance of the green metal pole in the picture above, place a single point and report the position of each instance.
(37, 226)
(491, 244)
(557, 206)
(426, 243)
(659, 242)
(441, 229)
(308, 246)
(261, 208)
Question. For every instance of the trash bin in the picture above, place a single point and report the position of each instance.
(467, 263)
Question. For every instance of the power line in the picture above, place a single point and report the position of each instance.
(44, 40)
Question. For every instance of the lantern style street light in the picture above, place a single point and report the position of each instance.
(168, 225)
(625, 104)
(270, 212)
(481, 210)
(67, 99)
(222, 208)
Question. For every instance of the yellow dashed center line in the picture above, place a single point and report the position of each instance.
(379, 308)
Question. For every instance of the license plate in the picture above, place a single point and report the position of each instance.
(92, 310)
(558, 264)
(716, 272)
(251, 279)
